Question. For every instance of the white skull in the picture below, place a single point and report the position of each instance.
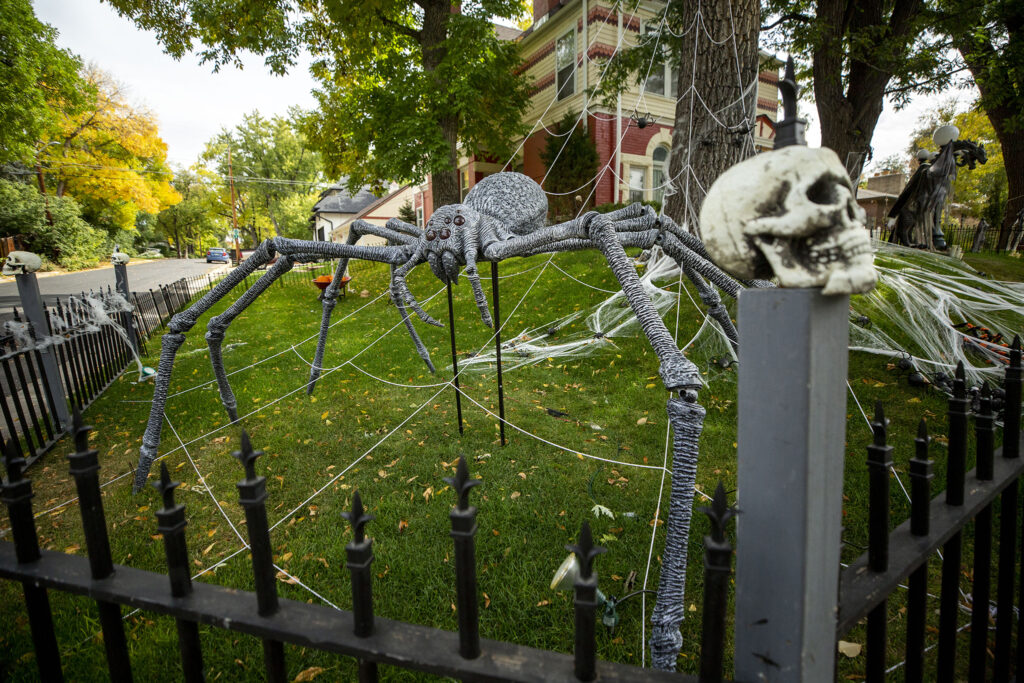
(790, 212)
(21, 262)
(119, 257)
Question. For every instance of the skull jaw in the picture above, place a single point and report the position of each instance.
(839, 266)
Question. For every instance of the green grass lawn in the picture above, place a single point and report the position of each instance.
(395, 440)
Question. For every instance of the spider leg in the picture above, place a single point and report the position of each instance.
(218, 325)
(421, 349)
(400, 290)
(405, 228)
(329, 298)
(184, 321)
(470, 250)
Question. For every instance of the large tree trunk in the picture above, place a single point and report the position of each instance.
(850, 93)
(445, 184)
(702, 148)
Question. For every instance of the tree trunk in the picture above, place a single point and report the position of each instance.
(702, 148)
(177, 240)
(1013, 161)
(850, 93)
(444, 183)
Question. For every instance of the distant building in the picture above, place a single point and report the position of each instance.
(552, 50)
(336, 208)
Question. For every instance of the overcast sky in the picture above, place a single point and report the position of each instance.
(192, 103)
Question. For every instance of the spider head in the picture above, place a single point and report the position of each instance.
(445, 236)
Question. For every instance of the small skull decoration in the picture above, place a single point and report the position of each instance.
(119, 258)
(790, 212)
(21, 262)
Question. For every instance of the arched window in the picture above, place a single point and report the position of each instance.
(660, 175)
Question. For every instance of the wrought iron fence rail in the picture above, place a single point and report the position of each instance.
(405, 645)
(861, 589)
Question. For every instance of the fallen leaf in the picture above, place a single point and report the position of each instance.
(515, 494)
(281, 576)
(428, 493)
(542, 603)
(308, 674)
(402, 525)
(849, 649)
(642, 421)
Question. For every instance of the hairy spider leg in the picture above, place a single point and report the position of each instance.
(421, 348)
(218, 325)
(184, 321)
(400, 290)
(471, 248)
(329, 297)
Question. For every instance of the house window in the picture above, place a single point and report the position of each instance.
(655, 83)
(636, 183)
(660, 174)
(565, 65)
(673, 82)
(419, 216)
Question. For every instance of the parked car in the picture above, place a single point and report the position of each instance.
(217, 254)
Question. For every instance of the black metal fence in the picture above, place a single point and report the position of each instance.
(262, 614)
(970, 238)
(986, 494)
(90, 361)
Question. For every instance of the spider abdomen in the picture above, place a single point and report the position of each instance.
(513, 199)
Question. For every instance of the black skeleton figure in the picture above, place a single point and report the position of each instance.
(916, 217)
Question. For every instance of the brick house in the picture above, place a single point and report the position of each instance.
(552, 50)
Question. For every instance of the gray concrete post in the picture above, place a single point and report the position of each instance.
(792, 427)
(121, 285)
(35, 313)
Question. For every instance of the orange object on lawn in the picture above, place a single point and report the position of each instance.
(324, 280)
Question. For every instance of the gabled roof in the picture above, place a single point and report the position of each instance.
(507, 33)
(343, 202)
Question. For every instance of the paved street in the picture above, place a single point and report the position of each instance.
(142, 276)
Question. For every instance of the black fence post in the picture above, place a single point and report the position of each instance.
(917, 587)
(717, 570)
(35, 314)
(16, 494)
(949, 598)
(879, 461)
(463, 518)
(586, 604)
(171, 524)
(984, 427)
(359, 553)
(85, 468)
(252, 494)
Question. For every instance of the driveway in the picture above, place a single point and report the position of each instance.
(142, 276)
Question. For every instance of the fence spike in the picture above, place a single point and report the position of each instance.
(461, 482)
(719, 513)
(585, 550)
(358, 518)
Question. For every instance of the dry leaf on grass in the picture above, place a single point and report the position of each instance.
(849, 649)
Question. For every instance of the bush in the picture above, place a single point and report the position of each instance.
(615, 206)
(70, 241)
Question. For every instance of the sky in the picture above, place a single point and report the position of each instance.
(192, 103)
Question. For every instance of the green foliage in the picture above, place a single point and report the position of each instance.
(70, 241)
(401, 83)
(194, 221)
(37, 80)
(572, 166)
(275, 171)
(407, 213)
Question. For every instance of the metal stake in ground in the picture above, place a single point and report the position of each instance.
(497, 349)
(455, 357)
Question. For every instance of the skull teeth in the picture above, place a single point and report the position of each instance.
(838, 253)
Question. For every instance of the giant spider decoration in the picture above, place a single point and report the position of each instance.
(502, 216)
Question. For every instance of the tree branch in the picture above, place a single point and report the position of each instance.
(794, 16)
(399, 27)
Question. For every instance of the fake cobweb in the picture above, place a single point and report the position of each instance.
(82, 315)
(937, 311)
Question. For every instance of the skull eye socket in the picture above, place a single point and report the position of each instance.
(823, 191)
(445, 233)
(459, 220)
(431, 235)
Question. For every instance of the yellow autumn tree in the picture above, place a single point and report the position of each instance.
(108, 155)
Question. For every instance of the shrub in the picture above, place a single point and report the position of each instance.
(69, 241)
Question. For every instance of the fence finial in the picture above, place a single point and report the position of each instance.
(790, 130)
(719, 512)
(462, 483)
(166, 487)
(12, 461)
(878, 426)
(922, 430)
(247, 456)
(81, 431)
(585, 551)
(357, 518)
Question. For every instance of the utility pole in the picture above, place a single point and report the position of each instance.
(234, 212)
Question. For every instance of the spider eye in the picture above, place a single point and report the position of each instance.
(431, 235)
(448, 220)
(445, 233)
(459, 220)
